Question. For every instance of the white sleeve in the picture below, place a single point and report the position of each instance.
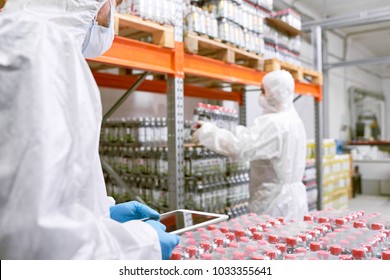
(261, 141)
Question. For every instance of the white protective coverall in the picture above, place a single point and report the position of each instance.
(276, 148)
(53, 202)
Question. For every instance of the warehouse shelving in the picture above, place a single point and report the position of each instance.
(177, 64)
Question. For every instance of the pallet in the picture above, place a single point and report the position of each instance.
(298, 73)
(137, 28)
(214, 48)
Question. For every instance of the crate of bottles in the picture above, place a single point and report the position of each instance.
(323, 235)
(150, 21)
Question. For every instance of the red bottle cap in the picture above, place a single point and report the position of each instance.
(386, 255)
(358, 224)
(262, 243)
(252, 214)
(323, 220)
(211, 227)
(358, 253)
(239, 232)
(308, 218)
(230, 236)
(220, 250)
(262, 225)
(191, 250)
(322, 254)
(345, 257)
(271, 254)
(204, 236)
(302, 237)
(291, 241)
(257, 235)
(335, 250)
(377, 226)
(206, 256)
(387, 233)
(176, 255)
(272, 238)
(340, 222)
(315, 246)
(320, 229)
(290, 257)
(280, 220)
(250, 249)
(252, 229)
(218, 241)
(190, 241)
(272, 223)
(368, 247)
(328, 226)
(238, 255)
(188, 234)
(244, 239)
(205, 245)
(200, 229)
(233, 245)
(257, 258)
(338, 230)
(313, 233)
(300, 250)
(281, 247)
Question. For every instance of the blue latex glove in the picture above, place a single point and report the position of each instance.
(132, 210)
(168, 241)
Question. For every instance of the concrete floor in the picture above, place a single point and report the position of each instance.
(370, 204)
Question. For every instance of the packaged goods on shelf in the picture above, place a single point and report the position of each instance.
(135, 150)
(222, 117)
(327, 235)
(290, 17)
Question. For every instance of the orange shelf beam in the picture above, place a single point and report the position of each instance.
(231, 73)
(134, 54)
(125, 82)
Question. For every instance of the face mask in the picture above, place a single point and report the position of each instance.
(99, 38)
(265, 105)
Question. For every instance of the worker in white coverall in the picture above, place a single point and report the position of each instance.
(53, 201)
(275, 146)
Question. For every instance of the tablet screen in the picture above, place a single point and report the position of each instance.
(179, 220)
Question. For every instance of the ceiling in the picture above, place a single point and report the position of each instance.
(375, 38)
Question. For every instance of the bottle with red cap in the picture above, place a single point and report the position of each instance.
(359, 254)
(204, 247)
(315, 246)
(335, 250)
(189, 253)
(218, 242)
(386, 255)
(281, 249)
(176, 255)
(291, 244)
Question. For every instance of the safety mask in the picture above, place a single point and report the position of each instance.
(99, 39)
(265, 105)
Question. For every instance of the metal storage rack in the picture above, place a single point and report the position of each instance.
(175, 63)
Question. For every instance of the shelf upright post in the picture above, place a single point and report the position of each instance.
(242, 104)
(175, 117)
(317, 45)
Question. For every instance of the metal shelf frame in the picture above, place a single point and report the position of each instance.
(175, 63)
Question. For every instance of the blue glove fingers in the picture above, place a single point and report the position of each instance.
(147, 211)
(167, 241)
(132, 210)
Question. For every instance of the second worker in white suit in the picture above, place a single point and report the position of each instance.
(275, 146)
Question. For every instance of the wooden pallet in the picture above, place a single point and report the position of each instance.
(214, 48)
(139, 29)
(298, 73)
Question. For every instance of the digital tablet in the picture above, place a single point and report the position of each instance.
(182, 220)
